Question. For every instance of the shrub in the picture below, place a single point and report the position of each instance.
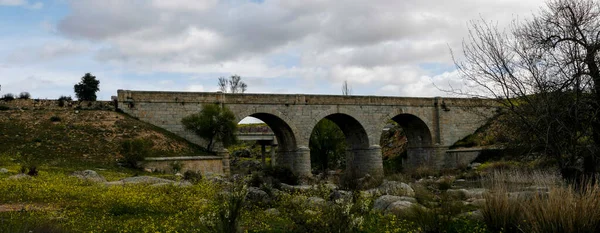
(4, 108)
(282, 174)
(176, 166)
(8, 97)
(229, 208)
(29, 169)
(192, 176)
(134, 151)
(62, 99)
(55, 119)
(24, 95)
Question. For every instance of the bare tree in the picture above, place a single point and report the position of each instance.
(233, 85)
(544, 72)
(222, 84)
(346, 90)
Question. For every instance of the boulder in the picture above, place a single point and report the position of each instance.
(480, 202)
(295, 188)
(141, 180)
(476, 215)
(339, 194)
(3, 170)
(184, 183)
(382, 203)
(392, 188)
(256, 195)
(89, 175)
(19, 176)
(315, 202)
(467, 193)
(272, 211)
(399, 207)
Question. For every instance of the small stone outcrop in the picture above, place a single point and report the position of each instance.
(394, 204)
(315, 202)
(3, 170)
(19, 176)
(141, 180)
(89, 175)
(256, 195)
(392, 188)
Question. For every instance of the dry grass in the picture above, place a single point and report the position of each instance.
(560, 209)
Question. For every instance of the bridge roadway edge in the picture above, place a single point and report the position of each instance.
(447, 119)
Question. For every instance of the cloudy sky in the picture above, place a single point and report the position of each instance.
(381, 47)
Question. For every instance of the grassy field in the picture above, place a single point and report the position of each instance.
(82, 138)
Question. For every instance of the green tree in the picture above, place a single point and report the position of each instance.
(214, 124)
(86, 89)
(327, 146)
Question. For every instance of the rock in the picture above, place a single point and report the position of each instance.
(141, 180)
(392, 188)
(19, 176)
(384, 201)
(310, 212)
(272, 211)
(476, 215)
(176, 184)
(148, 170)
(474, 165)
(315, 202)
(295, 188)
(467, 193)
(3, 170)
(179, 175)
(217, 180)
(339, 194)
(460, 180)
(330, 187)
(89, 175)
(399, 207)
(256, 195)
(477, 202)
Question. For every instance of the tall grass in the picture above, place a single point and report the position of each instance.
(560, 209)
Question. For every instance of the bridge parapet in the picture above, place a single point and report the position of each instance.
(429, 122)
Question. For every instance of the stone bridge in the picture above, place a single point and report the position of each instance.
(431, 124)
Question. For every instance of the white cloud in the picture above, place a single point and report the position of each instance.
(23, 3)
(379, 46)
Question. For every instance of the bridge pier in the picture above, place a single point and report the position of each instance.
(432, 156)
(297, 160)
(365, 161)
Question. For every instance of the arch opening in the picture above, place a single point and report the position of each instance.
(405, 141)
(261, 131)
(334, 142)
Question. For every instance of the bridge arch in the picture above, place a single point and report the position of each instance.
(420, 148)
(361, 156)
(284, 131)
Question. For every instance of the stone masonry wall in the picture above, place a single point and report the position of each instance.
(292, 117)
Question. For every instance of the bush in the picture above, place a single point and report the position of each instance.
(62, 99)
(282, 174)
(4, 108)
(24, 95)
(134, 151)
(55, 119)
(8, 97)
(192, 176)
